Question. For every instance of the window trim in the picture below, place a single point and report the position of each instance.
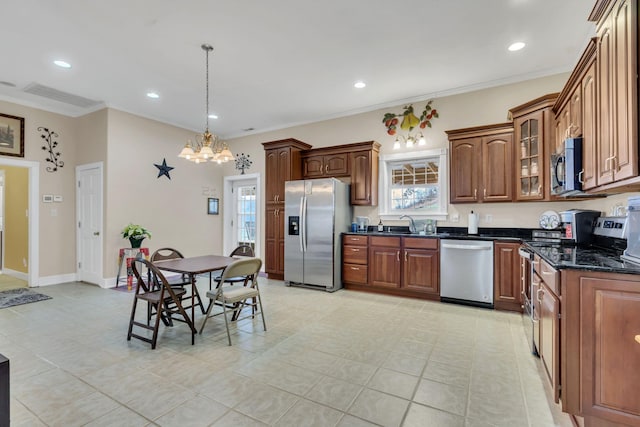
(385, 176)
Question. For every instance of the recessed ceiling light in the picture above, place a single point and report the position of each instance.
(359, 85)
(516, 46)
(213, 116)
(62, 64)
(153, 95)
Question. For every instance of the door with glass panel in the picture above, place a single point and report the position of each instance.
(244, 213)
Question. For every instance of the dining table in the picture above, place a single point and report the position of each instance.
(193, 266)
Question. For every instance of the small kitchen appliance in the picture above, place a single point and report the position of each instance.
(577, 225)
(566, 168)
(363, 223)
(632, 253)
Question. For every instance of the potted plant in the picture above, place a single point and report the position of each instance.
(136, 234)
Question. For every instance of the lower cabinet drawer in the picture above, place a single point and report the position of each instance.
(354, 254)
(354, 273)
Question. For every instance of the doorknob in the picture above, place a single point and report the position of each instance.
(96, 233)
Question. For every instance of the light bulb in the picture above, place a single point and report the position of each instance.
(396, 145)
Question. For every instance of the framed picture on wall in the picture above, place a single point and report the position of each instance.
(212, 206)
(11, 135)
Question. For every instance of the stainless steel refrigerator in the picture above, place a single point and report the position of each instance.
(316, 212)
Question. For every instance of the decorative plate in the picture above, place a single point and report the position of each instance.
(549, 220)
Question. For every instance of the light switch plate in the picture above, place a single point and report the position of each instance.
(47, 198)
(57, 198)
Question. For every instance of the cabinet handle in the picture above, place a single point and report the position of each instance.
(580, 180)
(405, 257)
(398, 256)
(547, 273)
(484, 193)
(475, 193)
(538, 294)
(638, 339)
(355, 250)
(540, 189)
(523, 276)
(614, 163)
(326, 168)
(355, 268)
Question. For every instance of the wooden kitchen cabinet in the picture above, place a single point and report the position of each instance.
(481, 164)
(355, 259)
(274, 240)
(407, 266)
(384, 262)
(507, 279)
(548, 315)
(575, 113)
(420, 265)
(317, 164)
(600, 375)
(282, 163)
(364, 173)
(533, 123)
(617, 85)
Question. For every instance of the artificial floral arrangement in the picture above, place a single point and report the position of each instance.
(135, 231)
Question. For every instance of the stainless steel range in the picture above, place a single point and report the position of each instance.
(608, 239)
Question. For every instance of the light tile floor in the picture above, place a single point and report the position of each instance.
(341, 359)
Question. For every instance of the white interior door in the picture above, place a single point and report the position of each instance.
(243, 222)
(89, 216)
(241, 215)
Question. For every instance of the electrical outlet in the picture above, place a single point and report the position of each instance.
(455, 217)
(488, 218)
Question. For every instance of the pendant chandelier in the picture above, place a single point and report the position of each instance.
(207, 147)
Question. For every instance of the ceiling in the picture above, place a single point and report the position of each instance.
(277, 63)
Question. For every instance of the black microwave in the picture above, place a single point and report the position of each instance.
(566, 169)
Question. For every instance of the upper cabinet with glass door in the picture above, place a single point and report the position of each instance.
(533, 124)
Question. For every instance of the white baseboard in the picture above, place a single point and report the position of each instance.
(56, 280)
(17, 274)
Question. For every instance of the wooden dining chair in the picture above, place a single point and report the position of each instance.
(233, 299)
(163, 301)
(178, 280)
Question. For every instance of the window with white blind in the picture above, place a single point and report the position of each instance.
(414, 184)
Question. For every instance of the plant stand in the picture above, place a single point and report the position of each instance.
(129, 254)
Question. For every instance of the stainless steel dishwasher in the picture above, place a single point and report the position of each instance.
(466, 272)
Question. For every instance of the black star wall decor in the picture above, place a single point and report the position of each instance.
(163, 169)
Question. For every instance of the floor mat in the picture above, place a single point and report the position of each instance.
(20, 296)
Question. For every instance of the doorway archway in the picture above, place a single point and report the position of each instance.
(33, 262)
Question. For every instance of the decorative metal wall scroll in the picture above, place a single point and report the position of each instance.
(51, 144)
(243, 162)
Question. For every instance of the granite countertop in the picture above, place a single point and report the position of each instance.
(579, 257)
(591, 258)
(503, 234)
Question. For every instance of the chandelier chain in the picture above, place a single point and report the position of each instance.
(207, 49)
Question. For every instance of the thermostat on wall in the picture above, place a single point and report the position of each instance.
(47, 198)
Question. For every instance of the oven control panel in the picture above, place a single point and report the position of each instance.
(611, 226)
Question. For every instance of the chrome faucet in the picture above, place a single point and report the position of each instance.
(412, 223)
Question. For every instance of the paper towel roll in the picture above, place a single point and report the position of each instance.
(473, 223)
